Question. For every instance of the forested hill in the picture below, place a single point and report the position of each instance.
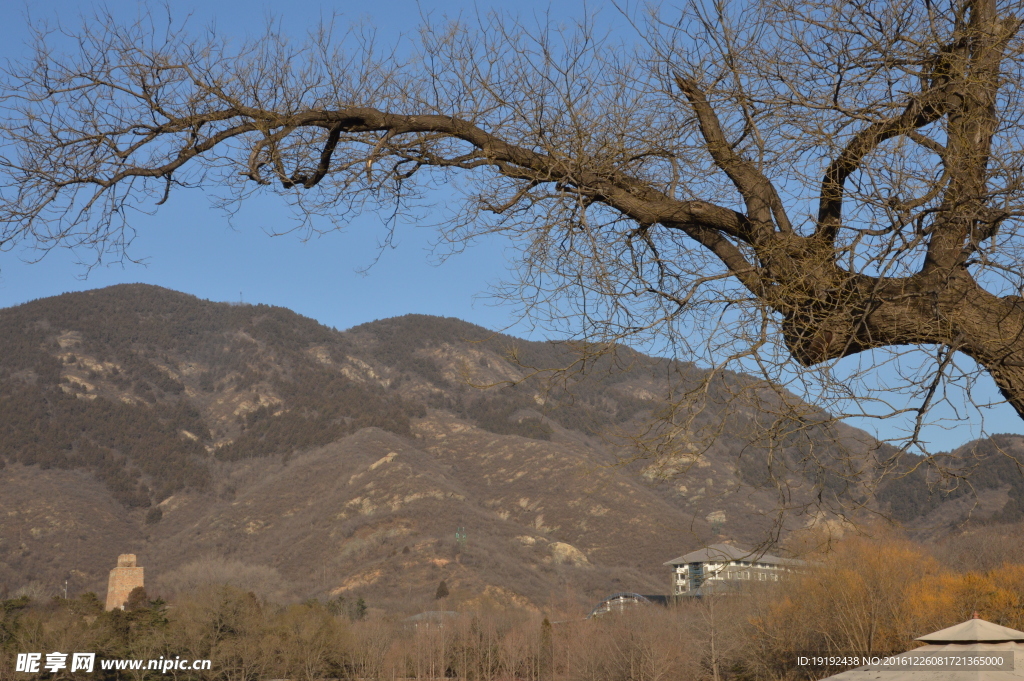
(982, 481)
(135, 418)
(142, 385)
(139, 384)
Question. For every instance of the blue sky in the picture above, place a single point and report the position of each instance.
(191, 247)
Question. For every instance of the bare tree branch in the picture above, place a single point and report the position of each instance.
(773, 187)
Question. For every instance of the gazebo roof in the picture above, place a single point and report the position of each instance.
(974, 630)
(975, 636)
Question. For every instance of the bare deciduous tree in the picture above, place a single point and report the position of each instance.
(779, 184)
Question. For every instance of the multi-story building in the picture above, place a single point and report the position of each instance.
(722, 566)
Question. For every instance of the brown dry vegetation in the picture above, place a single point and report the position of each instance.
(862, 594)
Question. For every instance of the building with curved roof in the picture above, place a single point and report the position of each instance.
(618, 602)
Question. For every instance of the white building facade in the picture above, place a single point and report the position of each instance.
(723, 566)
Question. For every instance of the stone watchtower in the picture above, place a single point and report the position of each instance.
(125, 577)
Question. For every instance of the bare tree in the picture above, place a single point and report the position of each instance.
(372, 640)
(778, 184)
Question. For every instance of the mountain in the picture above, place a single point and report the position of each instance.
(979, 483)
(218, 440)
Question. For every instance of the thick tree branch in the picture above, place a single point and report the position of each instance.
(920, 111)
(963, 219)
(761, 198)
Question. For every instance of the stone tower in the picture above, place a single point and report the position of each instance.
(125, 577)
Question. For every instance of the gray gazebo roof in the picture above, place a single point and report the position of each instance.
(974, 630)
(973, 636)
(719, 553)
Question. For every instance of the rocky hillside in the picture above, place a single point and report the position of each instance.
(214, 439)
(978, 483)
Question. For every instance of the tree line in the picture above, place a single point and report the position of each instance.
(863, 594)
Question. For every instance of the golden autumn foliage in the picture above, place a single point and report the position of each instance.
(996, 595)
(877, 595)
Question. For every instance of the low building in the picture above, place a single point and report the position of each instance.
(431, 619)
(724, 566)
(617, 603)
(125, 577)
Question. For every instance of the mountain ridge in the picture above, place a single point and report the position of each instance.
(197, 432)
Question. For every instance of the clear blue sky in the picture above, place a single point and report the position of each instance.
(188, 246)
